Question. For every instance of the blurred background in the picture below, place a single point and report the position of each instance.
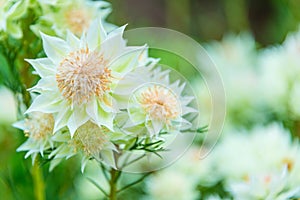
(269, 21)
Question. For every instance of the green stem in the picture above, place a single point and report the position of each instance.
(114, 175)
(38, 182)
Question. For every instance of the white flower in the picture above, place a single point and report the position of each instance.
(268, 186)
(236, 59)
(76, 16)
(78, 76)
(171, 184)
(153, 102)
(180, 180)
(265, 149)
(38, 127)
(280, 77)
(90, 140)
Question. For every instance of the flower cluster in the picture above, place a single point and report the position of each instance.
(87, 86)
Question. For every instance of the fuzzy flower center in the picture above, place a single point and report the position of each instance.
(160, 103)
(90, 139)
(77, 20)
(39, 126)
(82, 75)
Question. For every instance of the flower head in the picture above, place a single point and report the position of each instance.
(90, 140)
(159, 103)
(154, 102)
(82, 75)
(75, 16)
(78, 76)
(38, 127)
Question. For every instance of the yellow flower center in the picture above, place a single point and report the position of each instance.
(82, 75)
(77, 20)
(160, 103)
(90, 139)
(39, 125)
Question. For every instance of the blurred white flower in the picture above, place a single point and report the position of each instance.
(78, 76)
(281, 72)
(38, 127)
(180, 180)
(171, 184)
(76, 16)
(268, 186)
(265, 149)
(236, 59)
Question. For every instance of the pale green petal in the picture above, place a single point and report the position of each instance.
(27, 145)
(77, 118)
(20, 125)
(84, 161)
(108, 158)
(187, 110)
(186, 100)
(55, 48)
(46, 103)
(45, 84)
(155, 126)
(114, 44)
(96, 34)
(59, 137)
(136, 114)
(91, 109)
(107, 103)
(54, 163)
(43, 66)
(105, 118)
(99, 116)
(127, 61)
(33, 157)
(62, 118)
(72, 40)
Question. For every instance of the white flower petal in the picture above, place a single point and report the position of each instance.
(114, 44)
(108, 158)
(45, 103)
(72, 40)
(77, 118)
(54, 163)
(55, 48)
(47, 83)
(61, 119)
(43, 66)
(127, 61)
(96, 34)
(20, 125)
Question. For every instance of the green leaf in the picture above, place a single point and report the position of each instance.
(6, 76)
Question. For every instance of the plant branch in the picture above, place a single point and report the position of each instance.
(98, 186)
(135, 182)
